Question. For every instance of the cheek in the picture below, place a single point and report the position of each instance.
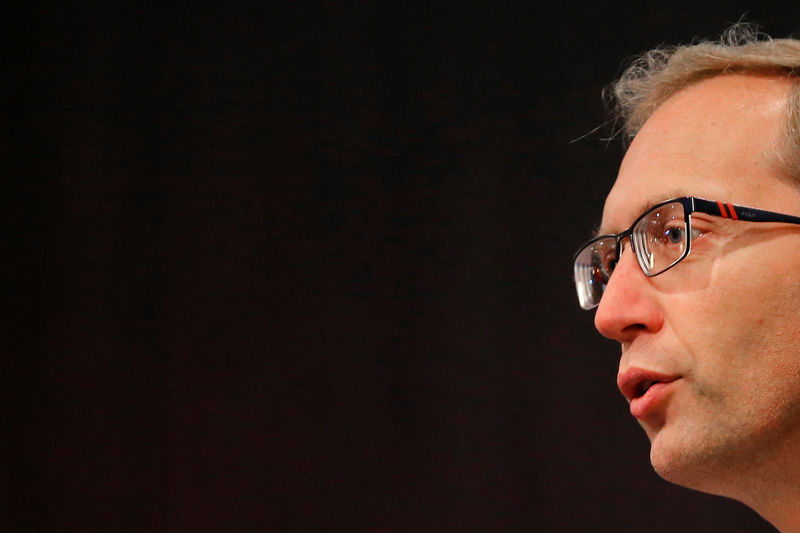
(742, 330)
(759, 300)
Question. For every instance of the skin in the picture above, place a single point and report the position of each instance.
(725, 320)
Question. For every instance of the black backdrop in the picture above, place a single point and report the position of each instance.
(307, 268)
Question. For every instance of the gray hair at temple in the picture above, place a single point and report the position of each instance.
(656, 75)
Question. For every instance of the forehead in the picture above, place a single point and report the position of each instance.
(716, 139)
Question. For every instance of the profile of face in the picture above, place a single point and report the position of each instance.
(711, 348)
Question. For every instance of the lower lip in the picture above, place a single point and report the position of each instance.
(649, 402)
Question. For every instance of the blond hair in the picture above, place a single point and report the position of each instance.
(656, 75)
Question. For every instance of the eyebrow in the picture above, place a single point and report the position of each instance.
(647, 205)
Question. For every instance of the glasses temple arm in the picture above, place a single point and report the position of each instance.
(739, 212)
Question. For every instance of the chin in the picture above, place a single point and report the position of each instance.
(692, 466)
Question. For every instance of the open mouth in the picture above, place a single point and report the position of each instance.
(634, 383)
(643, 386)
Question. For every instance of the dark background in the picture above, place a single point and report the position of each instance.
(308, 268)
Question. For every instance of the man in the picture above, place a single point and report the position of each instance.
(702, 233)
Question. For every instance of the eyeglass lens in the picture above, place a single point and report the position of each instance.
(659, 238)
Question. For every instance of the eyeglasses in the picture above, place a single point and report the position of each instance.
(660, 238)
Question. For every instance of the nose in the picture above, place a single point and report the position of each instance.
(630, 304)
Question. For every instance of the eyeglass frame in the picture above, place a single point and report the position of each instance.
(691, 204)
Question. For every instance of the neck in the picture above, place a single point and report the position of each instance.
(774, 492)
(779, 506)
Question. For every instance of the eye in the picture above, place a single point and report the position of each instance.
(674, 235)
(602, 267)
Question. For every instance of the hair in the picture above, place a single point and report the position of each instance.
(653, 77)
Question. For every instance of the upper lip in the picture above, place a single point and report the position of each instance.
(634, 382)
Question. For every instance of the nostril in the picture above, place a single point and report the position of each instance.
(635, 327)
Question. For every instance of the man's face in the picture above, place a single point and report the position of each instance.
(721, 330)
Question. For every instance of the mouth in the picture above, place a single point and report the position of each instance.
(643, 386)
(646, 392)
(635, 383)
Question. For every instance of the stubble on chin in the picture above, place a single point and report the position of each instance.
(693, 458)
